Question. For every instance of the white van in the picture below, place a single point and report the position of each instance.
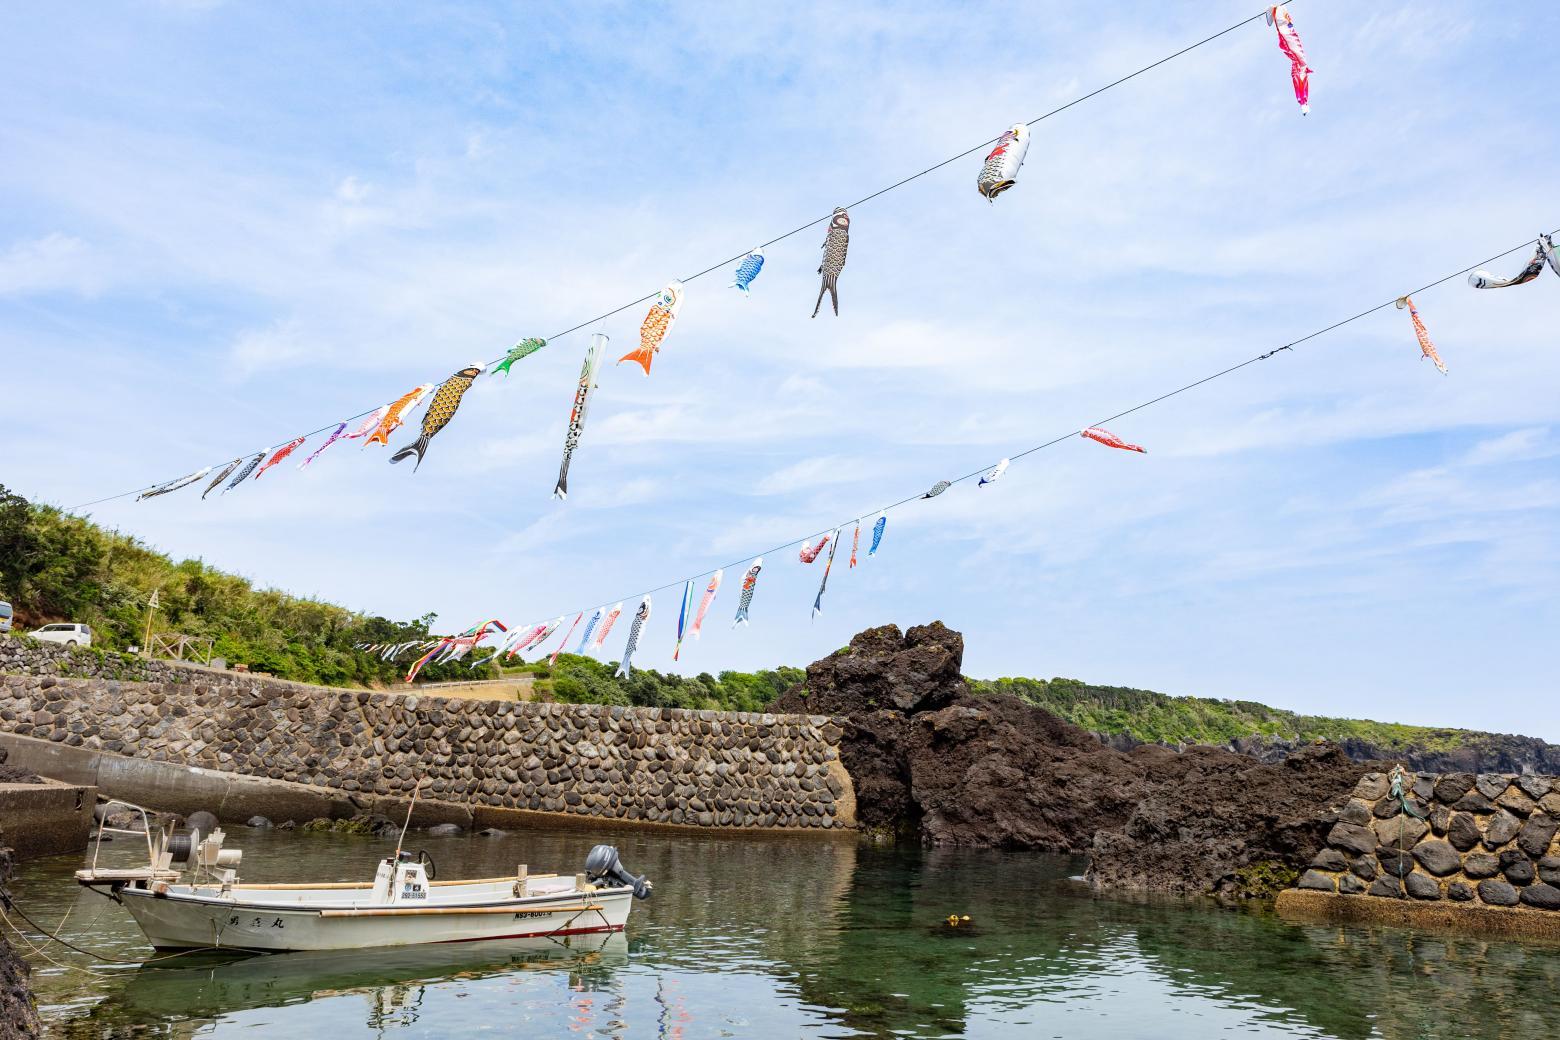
(70, 635)
(5, 616)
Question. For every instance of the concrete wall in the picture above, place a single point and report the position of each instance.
(46, 819)
(1480, 843)
(583, 762)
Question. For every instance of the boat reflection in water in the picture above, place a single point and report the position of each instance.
(207, 986)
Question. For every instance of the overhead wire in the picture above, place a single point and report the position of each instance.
(764, 245)
(1053, 442)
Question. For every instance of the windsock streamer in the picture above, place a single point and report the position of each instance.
(994, 474)
(877, 533)
(174, 485)
(749, 584)
(809, 552)
(1110, 440)
(684, 616)
(855, 543)
(524, 349)
(1425, 346)
(748, 270)
(281, 453)
(938, 488)
(370, 423)
(658, 322)
(1294, 50)
(243, 474)
(1543, 254)
(590, 628)
(440, 411)
(1000, 170)
(704, 604)
(835, 245)
(635, 630)
(582, 392)
(332, 439)
(606, 625)
(221, 476)
(391, 421)
(828, 566)
(565, 640)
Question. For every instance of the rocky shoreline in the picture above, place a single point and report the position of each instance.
(18, 1010)
(933, 761)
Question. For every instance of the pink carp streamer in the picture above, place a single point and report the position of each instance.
(809, 552)
(1110, 440)
(704, 604)
(554, 658)
(1425, 346)
(1289, 42)
(606, 625)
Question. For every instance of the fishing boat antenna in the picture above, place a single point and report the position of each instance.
(409, 806)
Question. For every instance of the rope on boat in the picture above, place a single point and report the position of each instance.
(8, 903)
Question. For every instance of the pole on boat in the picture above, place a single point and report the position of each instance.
(409, 807)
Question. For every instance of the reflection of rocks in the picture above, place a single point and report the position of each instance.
(18, 1016)
(1402, 987)
(930, 758)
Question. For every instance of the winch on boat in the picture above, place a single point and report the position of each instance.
(406, 903)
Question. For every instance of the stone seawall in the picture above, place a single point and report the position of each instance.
(639, 765)
(1482, 843)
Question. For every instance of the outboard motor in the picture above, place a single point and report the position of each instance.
(603, 863)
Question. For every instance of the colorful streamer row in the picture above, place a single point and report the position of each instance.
(998, 173)
(690, 619)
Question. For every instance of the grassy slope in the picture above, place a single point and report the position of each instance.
(55, 567)
(1151, 716)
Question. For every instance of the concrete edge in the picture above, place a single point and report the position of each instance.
(234, 797)
(1504, 922)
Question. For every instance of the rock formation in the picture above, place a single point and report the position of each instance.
(932, 760)
(18, 1013)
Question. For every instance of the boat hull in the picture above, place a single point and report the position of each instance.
(174, 922)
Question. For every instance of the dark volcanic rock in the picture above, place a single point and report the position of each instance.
(1497, 893)
(931, 758)
(1438, 858)
(1421, 886)
(1545, 897)
(18, 1012)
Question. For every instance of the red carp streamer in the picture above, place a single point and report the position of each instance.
(1110, 440)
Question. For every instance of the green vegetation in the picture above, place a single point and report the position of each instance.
(584, 680)
(55, 567)
(1159, 718)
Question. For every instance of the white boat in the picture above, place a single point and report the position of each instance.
(405, 904)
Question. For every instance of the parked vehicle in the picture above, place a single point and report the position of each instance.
(70, 635)
(5, 616)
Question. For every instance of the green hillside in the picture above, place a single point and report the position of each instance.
(55, 567)
(585, 680)
(1157, 717)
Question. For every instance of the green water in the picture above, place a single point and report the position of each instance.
(801, 938)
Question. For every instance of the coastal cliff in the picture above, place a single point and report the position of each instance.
(933, 760)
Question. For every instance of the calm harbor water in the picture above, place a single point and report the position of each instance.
(798, 938)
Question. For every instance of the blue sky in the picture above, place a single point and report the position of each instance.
(228, 223)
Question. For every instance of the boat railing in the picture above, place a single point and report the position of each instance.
(145, 831)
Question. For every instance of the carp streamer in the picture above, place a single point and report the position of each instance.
(1110, 440)
(1425, 346)
(749, 583)
(635, 630)
(1294, 50)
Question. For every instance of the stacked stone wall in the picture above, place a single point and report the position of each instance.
(1485, 840)
(20, 655)
(647, 765)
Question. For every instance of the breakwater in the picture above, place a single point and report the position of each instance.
(1478, 850)
(632, 765)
